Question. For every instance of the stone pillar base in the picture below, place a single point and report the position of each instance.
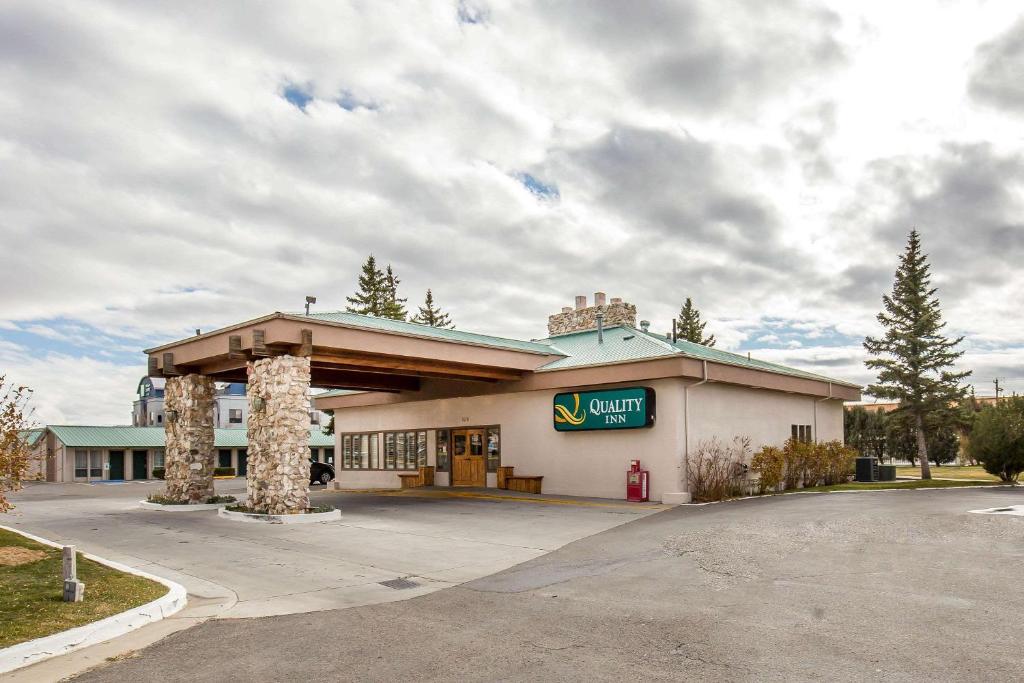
(676, 498)
(188, 432)
(277, 482)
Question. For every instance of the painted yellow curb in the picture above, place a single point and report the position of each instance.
(412, 493)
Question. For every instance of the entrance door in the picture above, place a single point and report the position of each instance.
(469, 465)
(139, 465)
(243, 462)
(116, 460)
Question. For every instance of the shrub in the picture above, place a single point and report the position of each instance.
(997, 441)
(223, 471)
(158, 472)
(716, 471)
(840, 461)
(794, 456)
(769, 462)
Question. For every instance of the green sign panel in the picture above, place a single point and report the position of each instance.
(609, 409)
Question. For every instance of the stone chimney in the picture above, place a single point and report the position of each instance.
(584, 317)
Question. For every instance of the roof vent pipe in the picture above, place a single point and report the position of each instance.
(600, 327)
(645, 325)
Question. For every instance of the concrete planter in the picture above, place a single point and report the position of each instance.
(182, 508)
(303, 518)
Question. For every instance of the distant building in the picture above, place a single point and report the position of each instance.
(230, 406)
(86, 454)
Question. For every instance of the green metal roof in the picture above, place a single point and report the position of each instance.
(728, 358)
(623, 344)
(153, 437)
(414, 329)
(31, 436)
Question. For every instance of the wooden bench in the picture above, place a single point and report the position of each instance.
(524, 484)
(504, 472)
(423, 477)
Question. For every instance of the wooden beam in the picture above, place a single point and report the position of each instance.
(235, 347)
(169, 368)
(333, 379)
(306, 348)
(404, 365)
(259, 343)
(153, 367)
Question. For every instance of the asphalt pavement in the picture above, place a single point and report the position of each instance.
(889, 585)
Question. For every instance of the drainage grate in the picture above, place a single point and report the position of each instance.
(399, 584)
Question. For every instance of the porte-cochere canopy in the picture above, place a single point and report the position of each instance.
(349, 351)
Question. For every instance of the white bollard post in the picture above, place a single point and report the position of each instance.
(74, 590)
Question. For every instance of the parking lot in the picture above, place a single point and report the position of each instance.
(884, 586)
(231, 569)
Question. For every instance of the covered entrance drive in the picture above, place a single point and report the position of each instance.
(281, 356)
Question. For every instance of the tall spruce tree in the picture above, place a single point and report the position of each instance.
(690, 327)
(914, 360)
(393, 306)
(369, 300)
(432, 315)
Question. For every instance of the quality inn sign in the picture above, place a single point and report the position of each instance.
(609, 409)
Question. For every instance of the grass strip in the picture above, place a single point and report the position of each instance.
(31, 604)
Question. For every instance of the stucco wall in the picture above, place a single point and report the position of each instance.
(594, 463)
(572, 463)
(726, 411)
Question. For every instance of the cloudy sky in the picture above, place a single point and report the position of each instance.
(168, 166)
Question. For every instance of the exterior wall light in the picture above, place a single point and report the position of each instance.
(172, 416)
(258, 403)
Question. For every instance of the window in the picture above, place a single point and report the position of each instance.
(358, 452)
(314, 418)
(493, 448)
(235, 416)
(329, 456)
(95, 465)
(441, 441)
(314, 453)
(81, 464)
(802, 433)
(405, 450)
(158, 457)
(159, 419)
(224, 457)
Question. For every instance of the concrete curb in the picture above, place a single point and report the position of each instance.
(308, 518)
(24, 654)
(799, 492)
(182, 508)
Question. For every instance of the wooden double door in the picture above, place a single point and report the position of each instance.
(469, 457)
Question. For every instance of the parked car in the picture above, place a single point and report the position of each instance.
(320, 472)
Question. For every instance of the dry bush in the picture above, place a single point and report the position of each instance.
(716, 471)
(769, 462)
(841, 460)
(14, 451)
(794, 455)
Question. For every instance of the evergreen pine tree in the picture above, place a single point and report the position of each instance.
(690, 327)
(914, 360)
(392, 305)
(431, 315)
(369, 299)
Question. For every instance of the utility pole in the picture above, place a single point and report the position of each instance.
(996, 381)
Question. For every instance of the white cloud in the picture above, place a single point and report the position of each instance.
(766, 160)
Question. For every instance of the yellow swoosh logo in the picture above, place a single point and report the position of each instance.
(575, 418)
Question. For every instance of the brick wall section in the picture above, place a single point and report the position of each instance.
(579, 319)
(188, 454)
(277, 481)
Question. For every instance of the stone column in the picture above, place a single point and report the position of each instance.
(188, 431)
(278, 478)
